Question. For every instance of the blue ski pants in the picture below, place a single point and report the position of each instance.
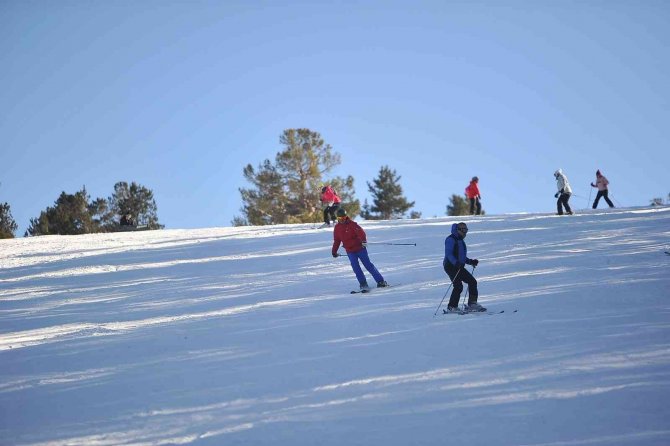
(362, 255)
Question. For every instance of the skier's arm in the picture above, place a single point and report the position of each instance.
(336, 244)
(449, 250)
(360, 233)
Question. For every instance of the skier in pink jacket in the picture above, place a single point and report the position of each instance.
(601, 184)
(331, 202)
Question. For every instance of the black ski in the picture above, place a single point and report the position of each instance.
(378, 288)
(463, 312)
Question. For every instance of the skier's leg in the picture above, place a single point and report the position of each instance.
(326, 218)
(597, 200)
(559, 206)
(479, 207)
(353, 259)
(472, 206)
(566, 197)
(333, 211)
(607, 198)
(455, 277)
(473, 293)
(363, 255)
(456, 292)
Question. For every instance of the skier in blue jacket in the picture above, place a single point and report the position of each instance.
(455, 259)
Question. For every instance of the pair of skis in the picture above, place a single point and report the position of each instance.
(370, 289)
(464, 312)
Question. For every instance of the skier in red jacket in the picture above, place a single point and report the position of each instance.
(348, 233)
(472, 192)
(331, 201)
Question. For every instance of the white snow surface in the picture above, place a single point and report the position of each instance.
(249, 336)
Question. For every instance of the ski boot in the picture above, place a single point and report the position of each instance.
(474, 308)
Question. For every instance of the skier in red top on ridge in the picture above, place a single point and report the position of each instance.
(472, 192)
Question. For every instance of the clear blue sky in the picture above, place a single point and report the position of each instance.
(180, 95)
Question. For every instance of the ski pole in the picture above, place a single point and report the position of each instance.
(445, 294)
(392, 244)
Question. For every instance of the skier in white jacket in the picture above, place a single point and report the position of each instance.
(563, 194)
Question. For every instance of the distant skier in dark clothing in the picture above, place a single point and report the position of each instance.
(455, 259)
(601, 184)
(472, 192)
(563, 194)
(331, 201)
(127, 220)
(348, 233)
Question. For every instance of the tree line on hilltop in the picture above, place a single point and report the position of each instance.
(74, 214)
(286, 190)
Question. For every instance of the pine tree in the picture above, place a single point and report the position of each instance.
(458, 206)
(388, 201)
(68, 216)
(366, 214)
(74, 213)
(265, 203)
(136, 200)
(7, 224)
(288, 191)
(102, 216)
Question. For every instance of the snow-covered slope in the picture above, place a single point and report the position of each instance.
(249, 336)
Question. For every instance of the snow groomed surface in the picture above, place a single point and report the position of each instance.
(250, 336)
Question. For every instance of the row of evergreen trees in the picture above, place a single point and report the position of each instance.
(284, 191)
(288, 189)
(74, 214)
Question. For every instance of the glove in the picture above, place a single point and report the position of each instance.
(336, 255)
(593, 185)
(474, 262)
(556, 194)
